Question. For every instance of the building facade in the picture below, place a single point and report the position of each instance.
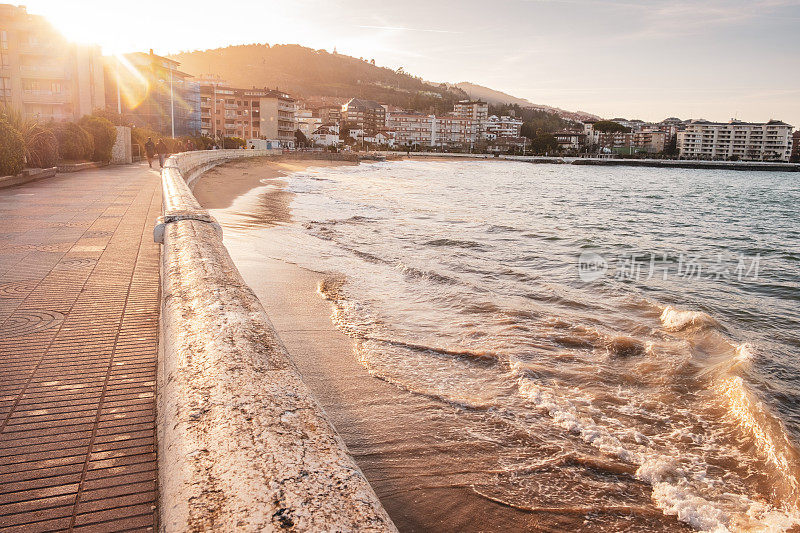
(150, 90)
(412, 129)
(736, 140)
(504, 126)
(477, 111)
(453, 132)
(247, 113)
(44, 76)
(364, 114)
(307, 123)
(329, 115)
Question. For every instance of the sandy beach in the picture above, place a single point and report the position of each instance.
(431, 472)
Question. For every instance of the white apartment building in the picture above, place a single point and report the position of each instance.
(504, 126)
(749, 141)
(430, 130)
(450, 131)
(411, 129)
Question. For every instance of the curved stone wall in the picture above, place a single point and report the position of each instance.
(243, 445)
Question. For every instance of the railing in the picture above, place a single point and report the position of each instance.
(243, 445)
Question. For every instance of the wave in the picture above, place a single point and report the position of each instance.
(678, 320)
(678, 483)
(454, 243)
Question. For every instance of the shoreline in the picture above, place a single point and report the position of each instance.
(620, 162)
(419, 454)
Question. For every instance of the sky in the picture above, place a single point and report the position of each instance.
(716, 59)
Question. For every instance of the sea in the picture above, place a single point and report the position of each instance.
(618, 333)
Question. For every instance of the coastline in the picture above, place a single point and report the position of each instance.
(612, 162)
(420, 458)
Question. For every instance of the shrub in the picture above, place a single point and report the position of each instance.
(41, 146)
(233, 142)
(12, 149)
(74, 142)
(103, 133)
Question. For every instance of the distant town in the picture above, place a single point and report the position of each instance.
(50, 80)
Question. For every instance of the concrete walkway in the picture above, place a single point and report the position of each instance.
(79, 303)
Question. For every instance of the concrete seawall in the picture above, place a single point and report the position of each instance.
(243, 445)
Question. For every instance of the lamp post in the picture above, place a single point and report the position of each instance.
(171, 103)
(119, 99)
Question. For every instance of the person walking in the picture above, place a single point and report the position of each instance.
(161, 148)
(150, 151)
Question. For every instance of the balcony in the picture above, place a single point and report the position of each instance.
(43, 71)
(45, 97)
(38, 48)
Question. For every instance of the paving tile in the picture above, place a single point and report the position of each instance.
(79, 307)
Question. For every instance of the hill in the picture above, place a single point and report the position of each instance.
(308, 73)
(501, 98)
(321, 77)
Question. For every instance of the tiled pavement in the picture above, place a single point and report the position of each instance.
(79, 300)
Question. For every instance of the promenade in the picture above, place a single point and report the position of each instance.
(79, 305)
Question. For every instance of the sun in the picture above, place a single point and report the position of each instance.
(87, 22)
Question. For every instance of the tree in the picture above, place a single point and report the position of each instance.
(300, 139)
(671, 148)
(344, 131)
(609, 126)
(544, 143)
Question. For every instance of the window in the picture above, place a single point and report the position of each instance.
(5, 87)
(3, 40)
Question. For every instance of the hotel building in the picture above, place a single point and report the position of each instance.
(748, 141)
(43, 75)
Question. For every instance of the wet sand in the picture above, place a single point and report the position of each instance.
(429, 467)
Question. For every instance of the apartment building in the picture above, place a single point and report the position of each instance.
(247, 113)
(453, 132)
(42, 74)
(570, 140)
(652, 141)
(329, 114)
(477, 111)
(412, 129)
(150, 90)
(503, 126)
(277, 113)
(307, 123)
(364, 114)
(736, 140)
